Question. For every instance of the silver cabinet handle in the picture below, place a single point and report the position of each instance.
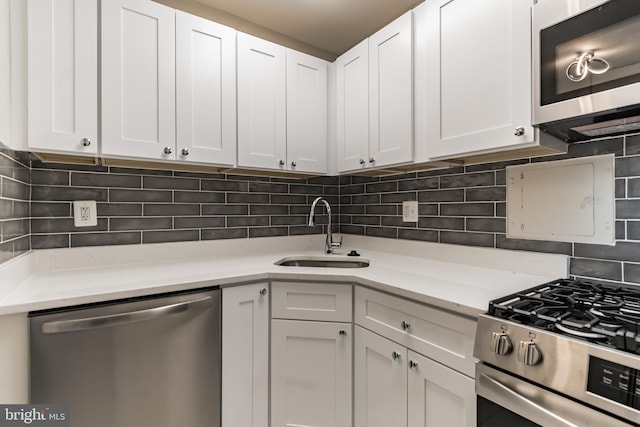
(362, 162)
(372, 159)
(123, 318)
(343, 333)
(413, 364)
(519, 131)
(396, 355)
(167, 150)
(294, 164)
(263, 291)
(85, 142)
(185, 151)
(281, 162)
(405, 325)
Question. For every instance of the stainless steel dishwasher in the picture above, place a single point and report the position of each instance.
(148, 362)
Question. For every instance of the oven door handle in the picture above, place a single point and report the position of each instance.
(499, 393)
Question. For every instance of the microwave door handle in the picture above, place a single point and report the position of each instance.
(494, 390)
(55, 327)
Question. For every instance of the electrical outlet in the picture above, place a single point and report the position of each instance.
(410, 211)
(85, 213)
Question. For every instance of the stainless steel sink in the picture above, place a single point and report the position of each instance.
(332, 261)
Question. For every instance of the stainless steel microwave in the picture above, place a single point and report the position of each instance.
(586, 56)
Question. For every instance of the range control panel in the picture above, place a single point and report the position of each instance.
(614, 381)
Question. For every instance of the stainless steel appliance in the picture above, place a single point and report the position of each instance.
(149, 362)
(586, 56)
(566, 353)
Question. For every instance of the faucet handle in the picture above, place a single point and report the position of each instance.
(337, 244)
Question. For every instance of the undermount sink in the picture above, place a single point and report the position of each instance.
(331, 261)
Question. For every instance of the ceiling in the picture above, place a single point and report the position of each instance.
(323, 28)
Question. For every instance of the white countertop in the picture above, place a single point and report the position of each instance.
(458, 278)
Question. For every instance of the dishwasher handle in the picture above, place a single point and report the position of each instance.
(56, 327)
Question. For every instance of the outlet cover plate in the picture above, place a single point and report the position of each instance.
(85, 213)
(410, 211)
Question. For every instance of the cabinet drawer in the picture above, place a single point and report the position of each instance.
(311, 301)
(437, 334)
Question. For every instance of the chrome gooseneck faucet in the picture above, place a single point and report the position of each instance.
(329, 244)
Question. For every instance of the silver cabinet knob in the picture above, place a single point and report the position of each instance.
(185, 152)
(343, 333)
(294, 164)
(167, 150)
(405, 325)
(362, 162)
(413, 364)
(396, 355)
(85, 142)
(529, 353)
(501, 343)
(263, 291)
(372, 159)
(519, 131)
(281, 162)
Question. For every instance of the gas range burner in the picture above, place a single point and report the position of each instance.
(603, 314)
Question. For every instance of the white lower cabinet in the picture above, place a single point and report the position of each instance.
(310, 374)
(245, 356)
(398, 387)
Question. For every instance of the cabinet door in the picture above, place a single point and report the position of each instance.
(478, 76)
(63, 76)
(391, 93)
(205, 91)
(261, 103)
(352, 99)
(310, 374)
(138, 79)
(439, 396)
(245, 356)
(306, 113)
(380, 389)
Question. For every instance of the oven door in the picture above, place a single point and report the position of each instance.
(504, 400)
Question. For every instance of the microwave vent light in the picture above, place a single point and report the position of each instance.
(610, 127)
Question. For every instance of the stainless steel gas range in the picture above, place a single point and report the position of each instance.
(566, 354)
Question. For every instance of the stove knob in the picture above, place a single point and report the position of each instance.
(529, 353)
(501, 343)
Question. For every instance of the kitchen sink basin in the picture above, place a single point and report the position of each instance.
(331, 261)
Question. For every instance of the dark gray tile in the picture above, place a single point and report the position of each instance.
(490, 225)
(494, 166)
(223, 185)
(594, 268)
(468, 180)
(621, 230)
(49, 241)
(203, 175)
(366, 199)
(48, 177)
(501, 210)
(21, 245)
(620, 188)
(628, 166)
(442, 171)
(632, 145)
(441, 196)
(153, 209)
(289, 220)
(344, 180)
(324, 180)
(382, 187)
(104, 239)
(633, 230)
(45, 193)
(105, 180)
(224, 233)
(622, 251)
(15, 189)
(467, 238)
(394, 221)
(498, 194)
(441, 223)
(170, 236)
(399, 177)
(6, 251)
(50, 209)
(170, 183)
(352, 189)
(352, 229)
(628, 209)
(633, 188)
(503, 242)
(270, 187)
(15, 228)
(37, 164)
(374, 210)
(288, 199)
(127, 224)
(268, 231)
(198, 197)
(391, 233)
(199, 222)
(225, 209)
(252, 198)
(247, 221)
(419, 184)
(232, 177)
(119, 209)
(365, 220)
(364, 179)
(501, 177)
(467, 209)
(268, 210)
(358, 209)
(64, 225)
(416, 234)
(304, 230)
(315, 190)
(398, 197)
(6, 209)
(134, 171)
(594, 148)
(631, 273)
(140, 196)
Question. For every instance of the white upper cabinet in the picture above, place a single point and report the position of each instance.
(375, 99)
(306, 113)
(205, 91)
(352, 99)
(262, 129)
(391, 93)
(473, 71)
(138, 79)
(63, 76)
